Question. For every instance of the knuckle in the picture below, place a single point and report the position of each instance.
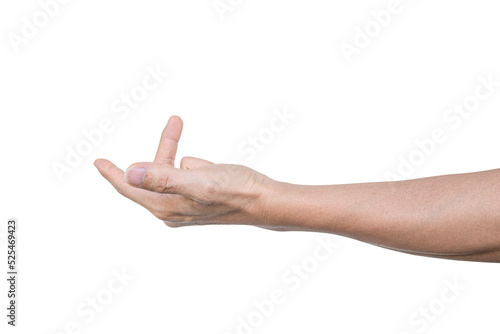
(210, 190)
(169, 160)
(163, 184)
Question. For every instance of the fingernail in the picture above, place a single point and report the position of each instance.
(135, 176)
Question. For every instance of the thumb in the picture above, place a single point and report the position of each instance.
(160, 178)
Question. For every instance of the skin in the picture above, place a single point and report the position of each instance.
(451, 216)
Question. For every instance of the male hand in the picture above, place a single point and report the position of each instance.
(199, 192)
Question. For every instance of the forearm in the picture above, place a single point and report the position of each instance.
(452, 216)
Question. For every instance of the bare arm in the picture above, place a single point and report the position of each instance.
(451, 216)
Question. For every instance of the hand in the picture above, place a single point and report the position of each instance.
(198, 193)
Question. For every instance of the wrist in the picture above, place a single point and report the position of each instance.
(271, 207)
(286, 206)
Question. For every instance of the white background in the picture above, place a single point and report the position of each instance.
(352, 122)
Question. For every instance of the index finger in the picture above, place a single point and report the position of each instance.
(170, 136)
